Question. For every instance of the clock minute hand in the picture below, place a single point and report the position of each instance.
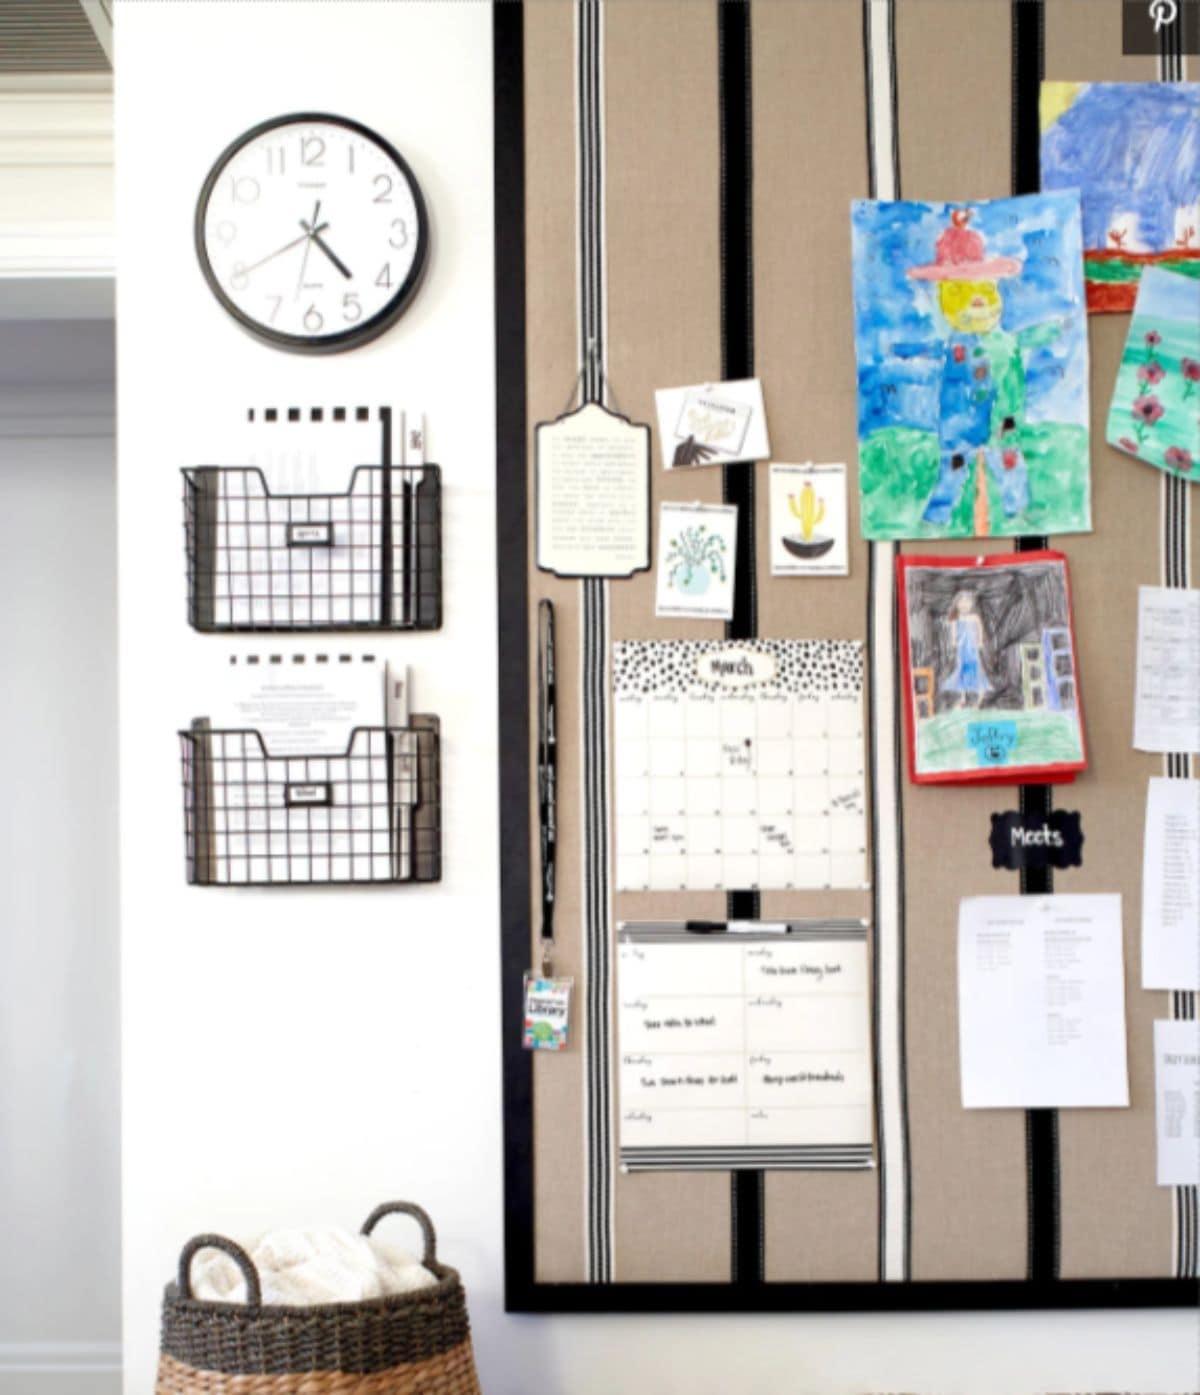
(315, 234)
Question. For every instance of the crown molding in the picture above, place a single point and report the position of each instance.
(60, 249)
(56, 135)
(49, 121)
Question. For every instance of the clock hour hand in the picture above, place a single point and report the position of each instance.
(315, 234)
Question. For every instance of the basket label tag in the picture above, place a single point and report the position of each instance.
(310, 535)
(313, 795)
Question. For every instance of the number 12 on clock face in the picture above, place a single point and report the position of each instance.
(311, 231)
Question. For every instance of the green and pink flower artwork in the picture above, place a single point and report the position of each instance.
(1155, 412)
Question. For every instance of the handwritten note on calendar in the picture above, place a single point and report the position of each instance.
(739, 764)
(744, 1050)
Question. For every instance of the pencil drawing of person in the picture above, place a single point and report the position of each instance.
(968, 645)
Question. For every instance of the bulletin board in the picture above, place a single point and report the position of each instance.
(673, 183)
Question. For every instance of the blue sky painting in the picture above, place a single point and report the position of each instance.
(1132, 149)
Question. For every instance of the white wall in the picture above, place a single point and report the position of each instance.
(59, 1089)
(286, 1055)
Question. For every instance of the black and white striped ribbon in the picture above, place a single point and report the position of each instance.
(594, 661)
(1175, 571)
(887, 834)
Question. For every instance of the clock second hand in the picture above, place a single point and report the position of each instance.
(303, 266)
(280, 251)
(308, 231)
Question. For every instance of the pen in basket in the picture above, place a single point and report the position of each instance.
(414, 460)
(402, 771)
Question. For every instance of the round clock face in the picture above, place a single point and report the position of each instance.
(312, 232)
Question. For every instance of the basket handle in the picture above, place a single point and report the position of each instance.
(235, 1253)
(406, 1208)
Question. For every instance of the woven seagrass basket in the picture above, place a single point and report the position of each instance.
(411, 1344)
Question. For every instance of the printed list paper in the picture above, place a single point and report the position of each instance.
(1041, 1001)
(300, 706)
(1171, 886)
(1177, 1102)
(1167, 710)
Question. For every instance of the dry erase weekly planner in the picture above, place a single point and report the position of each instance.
(744, 1050)
(739, 764)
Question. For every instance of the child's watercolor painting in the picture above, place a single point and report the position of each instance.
(991, 688)
(1155, 412)
(1132, 149)
(971, 338)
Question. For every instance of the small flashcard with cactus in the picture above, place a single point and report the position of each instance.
(712, 424)
(808, 520)
(1155, 411)
(696, 546)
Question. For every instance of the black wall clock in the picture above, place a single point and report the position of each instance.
(312, 232)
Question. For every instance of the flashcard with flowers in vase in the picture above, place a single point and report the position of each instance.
(971, 341)
(1155, 411)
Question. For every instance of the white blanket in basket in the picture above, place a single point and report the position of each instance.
(312, 1266)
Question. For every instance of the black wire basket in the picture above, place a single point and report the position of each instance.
(369, 814)
(366, 559)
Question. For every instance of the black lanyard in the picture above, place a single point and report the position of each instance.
(547, 772)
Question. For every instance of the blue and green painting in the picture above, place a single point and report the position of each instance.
(971, 340)
(1132, 150)
(990, 667)
(1155, 411)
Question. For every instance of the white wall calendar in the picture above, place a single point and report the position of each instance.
(739, 764)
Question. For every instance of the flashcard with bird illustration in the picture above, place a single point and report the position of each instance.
(712, 424)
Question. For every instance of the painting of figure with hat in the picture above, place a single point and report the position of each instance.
(970, 331)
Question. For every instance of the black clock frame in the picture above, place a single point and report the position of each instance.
(357, 334)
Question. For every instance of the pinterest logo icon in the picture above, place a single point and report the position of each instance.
(1163, 12)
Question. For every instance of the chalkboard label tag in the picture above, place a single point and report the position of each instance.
(1035, 840)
